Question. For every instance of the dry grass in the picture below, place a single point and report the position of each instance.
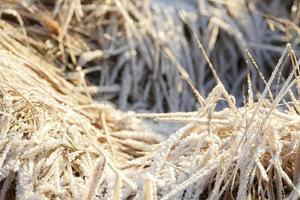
(121, 45)
(56, 142)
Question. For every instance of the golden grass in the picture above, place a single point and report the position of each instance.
(56, 142)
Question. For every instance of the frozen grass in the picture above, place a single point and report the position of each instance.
(56, 142)
(54, 146)
(120, 45)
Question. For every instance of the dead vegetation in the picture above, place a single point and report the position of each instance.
(57, 145)
(120, 45)
(58, 142)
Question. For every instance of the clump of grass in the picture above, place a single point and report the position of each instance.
(55, 142)
(249, 152)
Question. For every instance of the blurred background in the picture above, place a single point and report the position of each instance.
(129, 53)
